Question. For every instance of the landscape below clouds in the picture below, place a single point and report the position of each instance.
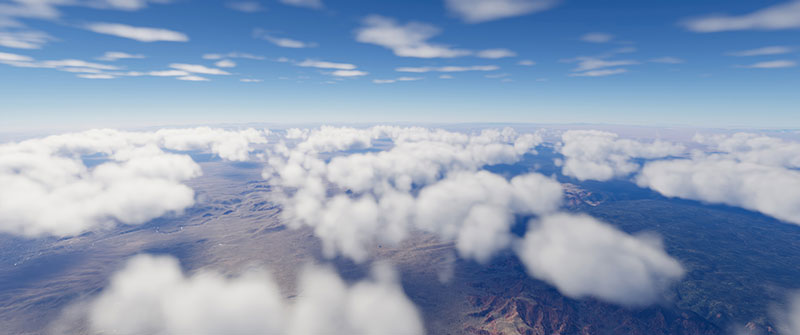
(405, 229)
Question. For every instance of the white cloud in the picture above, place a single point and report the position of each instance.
(598, 155)
(582, 256)
(789, 322)
(496, 53)
(23, 39)
(168, 73)
(774, 191)
(96, 76)
(250, 80)
(599, 73)
(282, 41)
(225, 63)
(194, 68)
(526, 62)
(141, 34)
(348, 73)
(313, 4)
(754, 172)
(765, 51)
(49, 190)
(127, 5)
(409, 40)
(775, 64)
(152, 295)
(389, 81)
(448, 68)
(9, 57)
(379, 203)
(475, 11)
(597, 37)
(668, 60)
(246, 6)
(115, 55)
(232, 55)
(594, 63)
(192, 78)
(445, 76)
(325, 65)
(776, 17)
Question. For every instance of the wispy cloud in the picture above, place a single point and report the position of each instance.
(115, 55)
(476, 11)
(225, 63)
(526, 62)
(282, 41)
(246, 6)
(141, 34)
(496, 53)
(448, 68)
(313, 4)
(592, 63)
(194, 68)
(233, 55)
(408, 40)
(192, 78)
(775, 64)
(668, 60)
(781, 16)
(389, 81)
(349, 73)
(24, 39)
(325, 65)
(599, 73)
(597, 38)
(765, 51)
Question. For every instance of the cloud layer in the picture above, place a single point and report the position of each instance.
(151, 295)
(50, 189)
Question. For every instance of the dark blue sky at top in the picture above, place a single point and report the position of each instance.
(704, 86)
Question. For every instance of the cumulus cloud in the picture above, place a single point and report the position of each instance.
(789, 322)
(476, 11)
(49, 189)
(496, 53)
(582, 256)
(408, 40)
(389, 81)
(355, 200)
(141, 34)
(151, 295)
(744, 170)
(599, 155)
(776, 17)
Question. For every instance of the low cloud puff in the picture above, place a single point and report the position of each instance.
(151, 295)
(599, 155)
(49, 189)
(582, 256)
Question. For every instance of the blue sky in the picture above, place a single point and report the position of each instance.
(696, 63)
